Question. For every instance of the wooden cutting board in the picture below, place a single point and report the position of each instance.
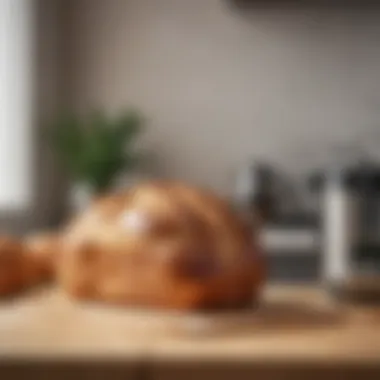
(290, 323)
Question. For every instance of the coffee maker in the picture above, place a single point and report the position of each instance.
(350, 216)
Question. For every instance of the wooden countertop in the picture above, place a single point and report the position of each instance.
(292, 323)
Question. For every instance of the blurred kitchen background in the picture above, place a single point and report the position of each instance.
(222, 84)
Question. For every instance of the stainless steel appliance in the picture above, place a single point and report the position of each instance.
(350, 207)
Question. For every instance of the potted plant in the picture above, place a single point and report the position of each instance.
(94, 149)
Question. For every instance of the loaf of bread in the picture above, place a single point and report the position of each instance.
(19, 268)
(161, 244)
(12, 271)
(43, 250)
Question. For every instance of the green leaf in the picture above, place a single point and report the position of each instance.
(95, 148)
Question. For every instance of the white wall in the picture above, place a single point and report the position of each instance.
(218, 85)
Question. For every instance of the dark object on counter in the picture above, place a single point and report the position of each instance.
(362, 176)
(255, 192)
(350, 208)
(295, 220)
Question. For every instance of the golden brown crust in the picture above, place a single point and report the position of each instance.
(11, 265)
(165, 244)
(42, 250)
(22, 265)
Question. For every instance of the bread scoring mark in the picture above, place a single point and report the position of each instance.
(135, 221)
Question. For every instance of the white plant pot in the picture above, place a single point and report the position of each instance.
(80, 197)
